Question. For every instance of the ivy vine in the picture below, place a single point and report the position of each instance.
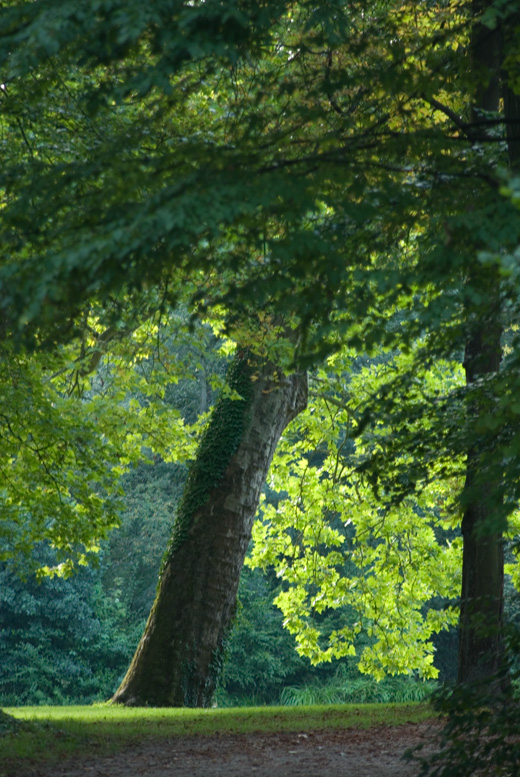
(218, 444)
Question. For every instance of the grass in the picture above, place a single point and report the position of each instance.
(48, 734)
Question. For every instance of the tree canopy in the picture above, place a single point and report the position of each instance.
(315, 181)
(250, 163)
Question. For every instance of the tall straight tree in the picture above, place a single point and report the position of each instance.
(481, 650)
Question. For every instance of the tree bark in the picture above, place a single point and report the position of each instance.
(179, 656)
(481, 614)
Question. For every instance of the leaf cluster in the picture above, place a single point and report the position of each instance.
(339, 546)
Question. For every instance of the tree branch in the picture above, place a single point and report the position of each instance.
(447, 111)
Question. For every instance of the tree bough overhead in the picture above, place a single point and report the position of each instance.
(179, 656)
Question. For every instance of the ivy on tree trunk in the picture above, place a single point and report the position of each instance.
(179, 657)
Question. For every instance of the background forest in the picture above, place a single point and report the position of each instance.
(69, 641)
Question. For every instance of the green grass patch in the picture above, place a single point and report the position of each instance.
(50, 734)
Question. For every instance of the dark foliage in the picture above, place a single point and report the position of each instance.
(60, 641)
(481, 736)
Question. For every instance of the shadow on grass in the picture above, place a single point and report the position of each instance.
(47, 734)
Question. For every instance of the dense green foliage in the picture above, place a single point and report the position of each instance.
(241, 157)
(61, 641)
(72, 424)
(337, 545)
(248, 138)
(70, 641)
(331, 170)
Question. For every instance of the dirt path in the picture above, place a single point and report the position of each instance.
(375, 752)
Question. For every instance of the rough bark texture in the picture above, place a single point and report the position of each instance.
(178, 658)
(481, 614)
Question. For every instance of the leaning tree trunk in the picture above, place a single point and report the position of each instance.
(179, 656)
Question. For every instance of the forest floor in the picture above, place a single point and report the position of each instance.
(372, 752)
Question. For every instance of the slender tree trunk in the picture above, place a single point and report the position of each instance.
(481, 614)
(179, 656)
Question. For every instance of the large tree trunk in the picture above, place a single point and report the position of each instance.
(481, 616)
(179, 656)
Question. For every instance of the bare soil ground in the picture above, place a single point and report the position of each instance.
(374, 752)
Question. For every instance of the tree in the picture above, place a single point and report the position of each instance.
(338, 547)
(482, 596)
(295, 171)
(180, 654)
(484, 520)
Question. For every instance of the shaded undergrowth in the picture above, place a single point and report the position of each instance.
(343, 688)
